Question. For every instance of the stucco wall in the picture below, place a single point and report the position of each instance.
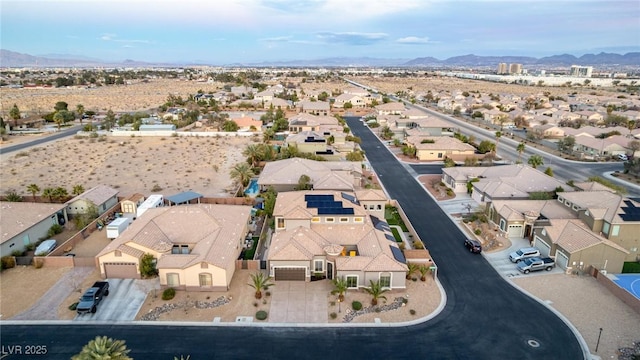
(31, 235)
(111, 257)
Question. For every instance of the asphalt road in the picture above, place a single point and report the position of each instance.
(484, 318)
(41, 140)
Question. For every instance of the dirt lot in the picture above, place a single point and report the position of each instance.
(131, 165)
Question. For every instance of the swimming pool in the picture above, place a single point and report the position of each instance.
(252, 189)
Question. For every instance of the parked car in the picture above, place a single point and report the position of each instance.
(46, 247)
(535, 264)
(92, 297)
(473, 245)
(524, 253)
(622, 157)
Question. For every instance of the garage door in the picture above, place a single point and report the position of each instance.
(545, 249)
(296, 274)
(121, 270)
(562, 260)
(514, 231)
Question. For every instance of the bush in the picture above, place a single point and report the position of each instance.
(73, 306)
(477, 231)
(17, 253)
(333, 315)
(8, 262)
(168, 294)
(38, 263)
(55, 229)
(148, 266)
(412, 312)
(261, 315)
(356, 305)
(30, 247)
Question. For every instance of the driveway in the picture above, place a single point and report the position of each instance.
(125, 299)
(300, 302)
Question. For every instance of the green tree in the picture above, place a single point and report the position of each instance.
(80, 112)
(58, 118)
(103, 348)
(229, 126)
(254, 153)
(61, 105)
(77, 190)
(304, 183)
(520, 149)
(33, 189)
(448, 162)
(60, 193)
(355, 156)
(260, 281)
(14, 113)
(412, 268)
(549, 171)
(386, 133)
(424, 270)
(49, 193)
(348, 105)
(535, 161)
(340, 287)
(376, 291)
(269, 200)
(241, 173)
(148, 266)
(486, 146)
(498, 136)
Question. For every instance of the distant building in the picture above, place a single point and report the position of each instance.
(502, 69)
(581, 71)
(515, 68)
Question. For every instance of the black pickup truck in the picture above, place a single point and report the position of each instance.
(92, 297)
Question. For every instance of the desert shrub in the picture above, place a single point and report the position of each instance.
(38, 263)
(267, 293)
(17, 253)
(356, 305)
(156, 188)
(477, 231)
(255, 304)
(73, 306)
(412, 312)
(168, 294)
(30, 247)
(405, 300)
(417, 244)
(8, 262)
(333, 315)
(55, 229)
(261, 315)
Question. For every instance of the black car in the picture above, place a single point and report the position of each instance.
(474, 246)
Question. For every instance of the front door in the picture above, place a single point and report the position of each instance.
(329, 270)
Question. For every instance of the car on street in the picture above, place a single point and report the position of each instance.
(473, 246)
(45, 247)
(622, 157)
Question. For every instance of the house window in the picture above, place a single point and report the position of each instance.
(173, 279)
(503, 225)
(204, 265)
(180, 249)
(439, 155)
(205, 279)
(385, 280)
(315, 219)
(352, 281)
(117, 253)
(104, 207)
(568, 203)
(344, 219)
(280, 223)
(560, 199)
(318, 266)
(605, 228)
(379, 207)
(330, 220)
(358, 219)
(615, 230)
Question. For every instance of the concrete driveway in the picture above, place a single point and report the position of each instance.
(125, 299)
(500, 261)
(300, 302)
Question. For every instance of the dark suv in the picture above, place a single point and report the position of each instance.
(473, 245)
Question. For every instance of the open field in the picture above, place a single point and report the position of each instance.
(132, 165)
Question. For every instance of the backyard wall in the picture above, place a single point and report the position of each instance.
(616, 290)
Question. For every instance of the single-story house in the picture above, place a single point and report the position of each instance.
(439, 147)
(195, 246)
(330, 235)
(25, 223)
(283, 175)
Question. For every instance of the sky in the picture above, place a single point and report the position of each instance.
(252, 31)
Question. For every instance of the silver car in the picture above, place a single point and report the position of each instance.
(46, 247)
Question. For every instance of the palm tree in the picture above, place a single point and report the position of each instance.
(80, 111)
(58, 118)
(242, 173)
(423, 272)
(412, 269)
(103, 348)
(535, 161)
(254, 154)
(60, 193)
(33, 189)
(376, 291)
(77, 190)
(520, 149)
(341, 288)
(260, 282)
(48, 192)
(498, 136)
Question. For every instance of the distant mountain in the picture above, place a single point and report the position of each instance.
(15, 59)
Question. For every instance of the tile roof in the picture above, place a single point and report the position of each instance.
(16, 217)
(601, 204)
(213, 233)
(370, 195)
(288, 171)
(573, 236)
(97, 195)
(515, 209)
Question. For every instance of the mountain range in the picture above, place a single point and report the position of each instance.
(14, 59)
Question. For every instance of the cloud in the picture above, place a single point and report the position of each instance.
(107, 37)
(352, 38)
(114, 38)
(413, 40)
(277, 39)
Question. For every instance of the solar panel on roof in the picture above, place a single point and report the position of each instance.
(318, 197)
(397, 254)
(350, 198)
(390, 237)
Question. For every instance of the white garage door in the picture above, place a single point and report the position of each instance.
(562, 260)
(545, 249)
(121, 270)
(514, 231)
